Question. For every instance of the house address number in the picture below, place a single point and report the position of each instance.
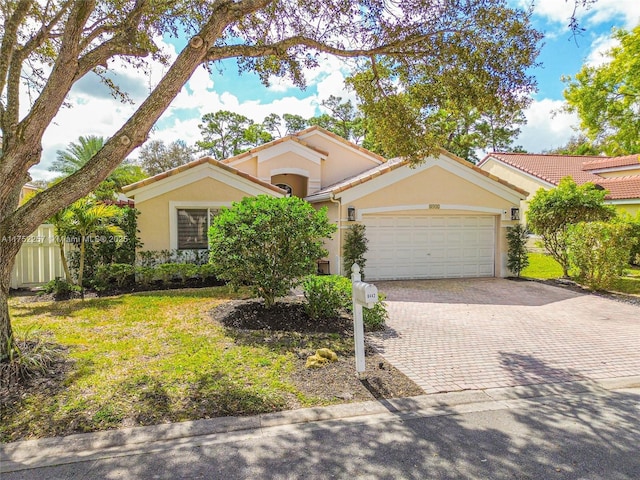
(434, 206)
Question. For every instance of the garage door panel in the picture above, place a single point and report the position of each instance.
(430, 246)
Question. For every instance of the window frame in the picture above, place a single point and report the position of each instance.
(173, 218)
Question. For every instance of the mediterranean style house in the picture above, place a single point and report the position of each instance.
(442, 218)
(620, 176)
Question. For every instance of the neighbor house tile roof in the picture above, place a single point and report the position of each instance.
(195, 163)
(613, 162)
(553, 168)
(393, 164)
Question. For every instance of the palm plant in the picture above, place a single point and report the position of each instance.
(78, 154)
(88, 218)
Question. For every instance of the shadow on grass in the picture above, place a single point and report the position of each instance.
(63, 307)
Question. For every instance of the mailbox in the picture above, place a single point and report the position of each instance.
(365, 294)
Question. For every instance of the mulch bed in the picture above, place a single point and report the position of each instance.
(287, 326)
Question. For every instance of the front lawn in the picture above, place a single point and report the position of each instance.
(543, 267)
(157, 357)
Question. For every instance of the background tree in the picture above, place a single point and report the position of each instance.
(223, 134)
(47, 47)
(577, 145)
(76, 155)
(156, 157)
(607, 97)
(268, 243)
(552, 212)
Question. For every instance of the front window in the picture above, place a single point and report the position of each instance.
(193, 226)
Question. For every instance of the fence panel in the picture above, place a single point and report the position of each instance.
(38, 261)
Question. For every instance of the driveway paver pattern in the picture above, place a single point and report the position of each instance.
(468, 334)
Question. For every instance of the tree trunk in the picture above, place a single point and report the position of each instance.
(8, 251)
(81, 267)
(63, 259)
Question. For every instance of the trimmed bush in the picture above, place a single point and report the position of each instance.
(326, 295)
(355, 246)
(599, 251)
(268, 243)
(517, 255)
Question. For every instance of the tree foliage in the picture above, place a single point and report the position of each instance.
(76, 155)
(47, 47)
(268, 243)
(607, 97)
(552, 212)
(156, 157)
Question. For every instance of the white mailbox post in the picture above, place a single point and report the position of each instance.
(364, 294)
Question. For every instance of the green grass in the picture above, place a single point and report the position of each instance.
(542, 267)
(628, 283)
(153, 357)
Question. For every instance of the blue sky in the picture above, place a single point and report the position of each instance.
(94, 112)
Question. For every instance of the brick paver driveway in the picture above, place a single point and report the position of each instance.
(450, 335)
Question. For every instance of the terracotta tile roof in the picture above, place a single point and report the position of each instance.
(316, 128)
(265, 146)
(195, 163)
(550, 168)
(621, 188)
(612, 162)
(395, 163)
(553, 168)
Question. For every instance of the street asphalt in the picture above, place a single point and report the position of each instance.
(568, 430)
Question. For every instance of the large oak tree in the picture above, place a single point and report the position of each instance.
(47, 46)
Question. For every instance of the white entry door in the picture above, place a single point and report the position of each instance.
(421, 246)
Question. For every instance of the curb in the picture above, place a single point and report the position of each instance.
(30, 454)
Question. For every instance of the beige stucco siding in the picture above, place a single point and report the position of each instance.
(432, 186)
(342, 161)
(153, 221)
(514, 177)
(333, 244)
(619, 173)
(291, 162)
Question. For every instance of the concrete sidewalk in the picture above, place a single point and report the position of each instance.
(562, 430)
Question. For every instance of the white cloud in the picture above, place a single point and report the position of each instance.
(546, 128)
(560, 11)
(599, 48)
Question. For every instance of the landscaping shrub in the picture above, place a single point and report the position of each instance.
(326, 295)
(268, 243)
(60, 288)
(634, 233)
(599, 251)
(552, 212)
(115, 275)
(517, 254)
(31, 355)
(355, 246)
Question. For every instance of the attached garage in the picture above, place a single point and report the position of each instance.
(443, 218)
(430, 246)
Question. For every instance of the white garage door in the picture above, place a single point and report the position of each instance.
(429, 247)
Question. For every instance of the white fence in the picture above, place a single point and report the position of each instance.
(38, 260)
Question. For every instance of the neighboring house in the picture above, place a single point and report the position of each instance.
(442, 218)
(620, 176)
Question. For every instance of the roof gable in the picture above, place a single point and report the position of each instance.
(381, 175)
(193, 171)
